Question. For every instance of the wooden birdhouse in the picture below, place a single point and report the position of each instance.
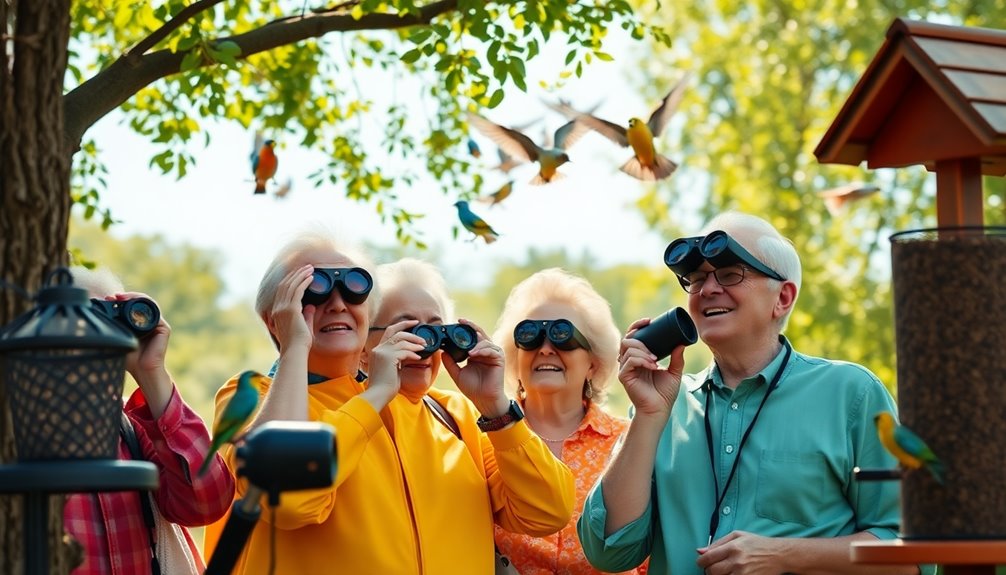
(933, 95)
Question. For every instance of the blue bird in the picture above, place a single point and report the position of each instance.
(473, 148)
(475, 224)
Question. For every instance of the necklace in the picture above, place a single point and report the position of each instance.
(547, 440)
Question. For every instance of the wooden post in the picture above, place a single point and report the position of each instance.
(959, 200)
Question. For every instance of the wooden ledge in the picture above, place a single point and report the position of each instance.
(949, 552)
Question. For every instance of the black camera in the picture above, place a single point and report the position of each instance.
(139, 315)
(456, 339)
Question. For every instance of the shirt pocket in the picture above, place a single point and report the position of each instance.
(791, 486)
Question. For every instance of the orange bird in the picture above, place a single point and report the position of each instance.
(264, 165)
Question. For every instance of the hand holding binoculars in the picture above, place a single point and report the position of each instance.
(667, 331)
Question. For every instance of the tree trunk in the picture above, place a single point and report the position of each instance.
(34, 208)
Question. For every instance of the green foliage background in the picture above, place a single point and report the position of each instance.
(771, 77)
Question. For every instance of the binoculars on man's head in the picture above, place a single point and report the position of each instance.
(456, 339)
(139, 315)
(684, 255)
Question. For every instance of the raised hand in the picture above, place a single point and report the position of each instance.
(481, 379)
(651, 389)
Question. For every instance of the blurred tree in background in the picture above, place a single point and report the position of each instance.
(771, 77)
(210, 341)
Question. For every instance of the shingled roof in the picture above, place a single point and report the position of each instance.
(933, 92)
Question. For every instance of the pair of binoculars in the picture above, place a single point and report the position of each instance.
(685, 255)
(455, 339)
(139, 315)
(667, 331)
(354, 285)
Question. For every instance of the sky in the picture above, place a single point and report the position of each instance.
(590, 211)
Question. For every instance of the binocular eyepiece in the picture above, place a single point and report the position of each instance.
(667, 331)
(139, 315)
(456, 339)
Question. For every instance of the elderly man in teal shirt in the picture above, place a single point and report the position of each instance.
(745, 467)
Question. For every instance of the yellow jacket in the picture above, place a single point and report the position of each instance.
(408, 497)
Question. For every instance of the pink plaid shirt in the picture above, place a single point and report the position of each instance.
(110, 525)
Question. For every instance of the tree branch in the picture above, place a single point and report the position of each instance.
(107, 90)
(170, 26)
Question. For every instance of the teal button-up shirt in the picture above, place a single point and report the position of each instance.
(794, 477)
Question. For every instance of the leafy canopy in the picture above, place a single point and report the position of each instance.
(378, 87)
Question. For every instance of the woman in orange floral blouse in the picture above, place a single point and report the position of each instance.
(561, 348)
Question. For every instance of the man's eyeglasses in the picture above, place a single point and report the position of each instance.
(530, 334)
(726, 277)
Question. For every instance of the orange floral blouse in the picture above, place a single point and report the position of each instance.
(586, 454)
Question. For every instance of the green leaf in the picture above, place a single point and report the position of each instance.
(191, 60)
(496, 98)
(411, 56)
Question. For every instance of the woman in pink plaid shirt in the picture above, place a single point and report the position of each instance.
(111, 526)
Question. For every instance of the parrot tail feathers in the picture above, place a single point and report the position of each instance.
(259, 186)
(662, 167)
(489, 237)
(937, 470)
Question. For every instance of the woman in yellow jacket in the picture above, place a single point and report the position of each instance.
(409, 497)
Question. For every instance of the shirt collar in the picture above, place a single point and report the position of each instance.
(313, 378)
(598, 420)
(711, 374)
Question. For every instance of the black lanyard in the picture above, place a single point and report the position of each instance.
(714, 519)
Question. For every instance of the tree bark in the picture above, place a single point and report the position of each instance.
(34, 208)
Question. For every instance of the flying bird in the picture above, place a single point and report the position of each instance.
(836, 198)
(235, 414)
(646, 164)
(474, 223)
(499, 195)
(910, 450)
(507, 162)
(264, 163)
(284, 188)
(473, 148)
(522, 149)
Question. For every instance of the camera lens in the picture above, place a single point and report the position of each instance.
(141, 314)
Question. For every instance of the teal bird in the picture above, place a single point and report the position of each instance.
(475, 224)
(473, 148)
(909, 449)
(235, 414)
(522, 148)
